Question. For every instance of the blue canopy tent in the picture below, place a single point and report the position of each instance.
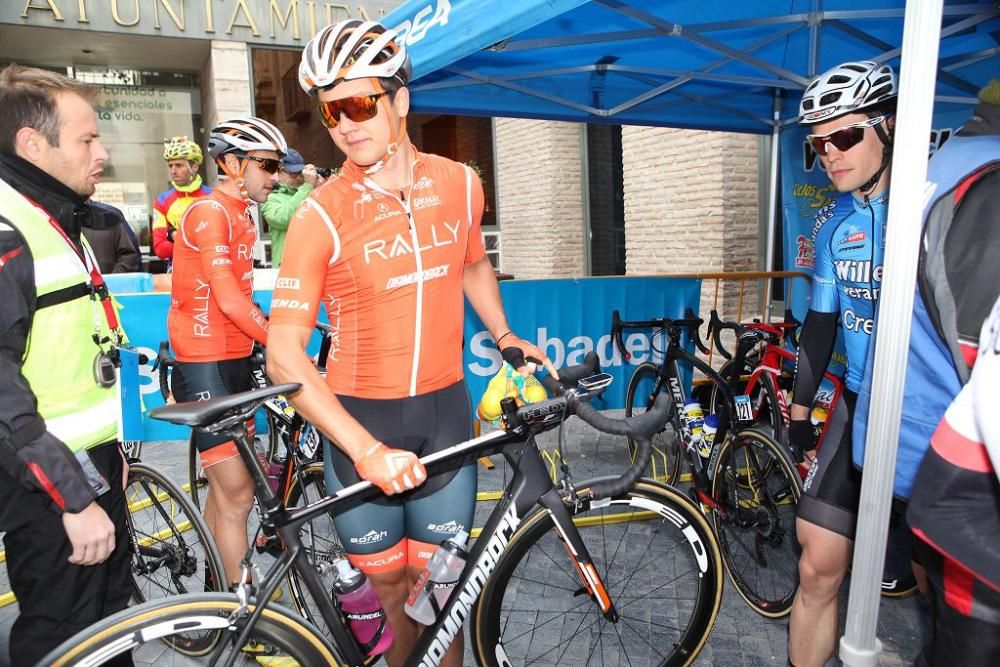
(685, 63)
(735, 66)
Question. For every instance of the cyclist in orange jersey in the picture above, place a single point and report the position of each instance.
(390, 247)
(213, 321)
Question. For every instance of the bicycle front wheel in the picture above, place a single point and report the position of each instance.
(173, 551)
(660, 564)
(756, 489)
(643, 388)
(138, 630)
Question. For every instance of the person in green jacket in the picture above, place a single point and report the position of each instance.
(296, 180)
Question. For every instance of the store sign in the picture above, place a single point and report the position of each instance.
(142, 114)
(274, 22)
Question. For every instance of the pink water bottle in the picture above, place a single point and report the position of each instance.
(365, 615)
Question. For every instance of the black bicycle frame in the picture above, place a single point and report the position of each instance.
(669, 377)
(530, 485)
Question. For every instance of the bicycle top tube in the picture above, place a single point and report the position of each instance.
(230, 412)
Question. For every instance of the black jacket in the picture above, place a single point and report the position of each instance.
(29, 454)
(108, 238)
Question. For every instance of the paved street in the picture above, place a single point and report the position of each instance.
(740, 636)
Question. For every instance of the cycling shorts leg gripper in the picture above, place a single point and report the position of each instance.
(200, 381)
(832, 489)
(372, 532)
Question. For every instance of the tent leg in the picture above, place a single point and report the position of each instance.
(922, 25)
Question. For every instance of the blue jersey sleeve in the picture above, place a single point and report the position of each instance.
(824, 285)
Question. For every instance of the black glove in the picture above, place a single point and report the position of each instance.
(170, 232)
(515, 357)
(801, 438)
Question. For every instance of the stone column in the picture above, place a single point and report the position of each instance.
(225, 87)
(540, 198)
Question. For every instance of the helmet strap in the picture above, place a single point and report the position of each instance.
(886, 156)
(235, 177)
(398, 135)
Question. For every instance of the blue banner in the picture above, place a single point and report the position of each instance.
(569, 318)
(566, 318)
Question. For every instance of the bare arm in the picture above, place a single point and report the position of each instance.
(481, 289)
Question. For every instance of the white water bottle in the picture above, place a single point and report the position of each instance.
(709, 428)
(437, 581)
(695, 420)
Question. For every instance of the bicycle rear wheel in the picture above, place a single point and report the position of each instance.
(767, 411)
(138, 630)
(756, 488)
(659, 560)
(196, 474)
(643, 388)
(173, 551)
(319, 537)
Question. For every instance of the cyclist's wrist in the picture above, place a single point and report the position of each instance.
(799, 412)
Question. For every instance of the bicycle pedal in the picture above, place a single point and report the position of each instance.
(268, 545)
(254, 647)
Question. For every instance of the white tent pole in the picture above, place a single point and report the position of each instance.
(922, 24)
(773, 219)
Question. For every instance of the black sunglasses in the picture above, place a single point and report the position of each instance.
(843, 139)
(269, 164)
(358, 108)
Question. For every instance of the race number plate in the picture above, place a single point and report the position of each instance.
(744, 411)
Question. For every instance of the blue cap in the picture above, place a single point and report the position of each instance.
(293, 162)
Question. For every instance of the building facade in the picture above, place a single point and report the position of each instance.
(563, 200)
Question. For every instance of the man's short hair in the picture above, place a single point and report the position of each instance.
(28, 99)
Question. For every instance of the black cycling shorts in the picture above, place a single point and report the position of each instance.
(832, 489)
(832, 493)
(202, 380)
(429, 514)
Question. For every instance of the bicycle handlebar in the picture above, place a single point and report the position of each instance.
(690, 322)
(641, 428)
(163, 362)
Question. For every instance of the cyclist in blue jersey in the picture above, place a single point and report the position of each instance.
(850, 112)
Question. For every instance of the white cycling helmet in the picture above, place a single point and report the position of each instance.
(352, 49)
(847, 88)
(246, 134)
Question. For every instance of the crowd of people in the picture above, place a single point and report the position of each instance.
(394, 388)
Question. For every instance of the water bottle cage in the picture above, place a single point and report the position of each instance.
(369, 646)
(432, 586)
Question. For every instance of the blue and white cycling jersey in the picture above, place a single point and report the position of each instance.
(849, 244)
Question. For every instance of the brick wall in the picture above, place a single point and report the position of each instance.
(691, 207)
(539, 198)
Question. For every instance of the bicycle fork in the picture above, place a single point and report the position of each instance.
(593, 584)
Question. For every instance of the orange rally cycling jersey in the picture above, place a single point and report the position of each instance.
(212, 316)
(388, 268)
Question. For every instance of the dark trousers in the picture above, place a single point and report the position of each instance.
(56, 598)
(957, 637)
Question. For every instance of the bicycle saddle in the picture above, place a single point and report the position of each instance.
(205, 413)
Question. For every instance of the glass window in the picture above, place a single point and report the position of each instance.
(136, 111)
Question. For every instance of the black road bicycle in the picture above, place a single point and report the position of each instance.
(612, 571)
(293, 456)
(744, 480)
